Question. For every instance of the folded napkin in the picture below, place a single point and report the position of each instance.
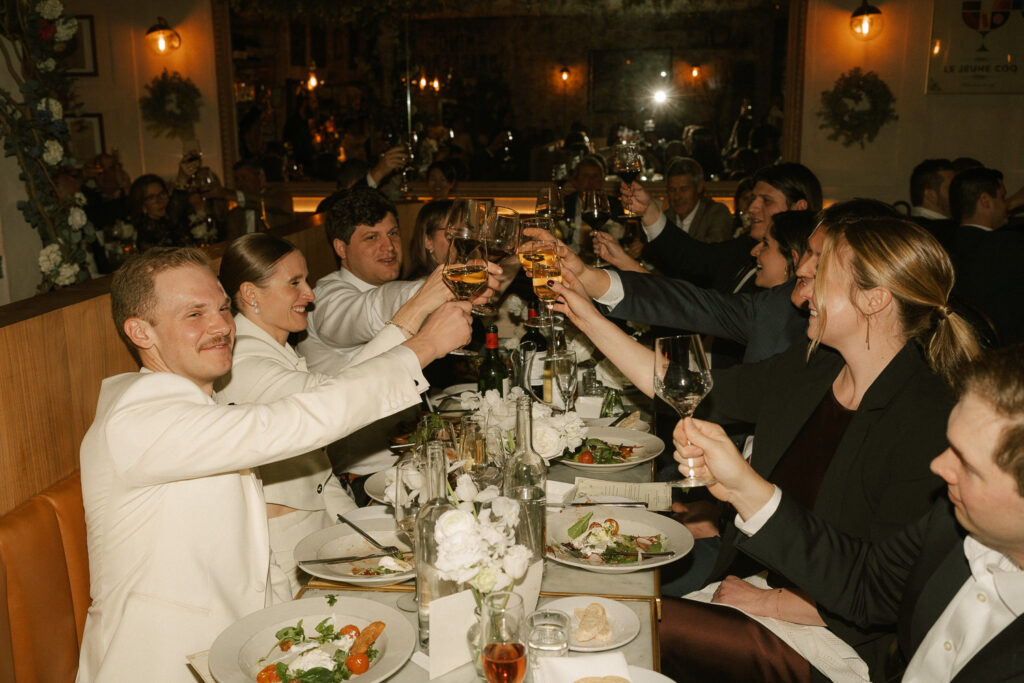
(589, 406)
(569, 669)
(559, 493)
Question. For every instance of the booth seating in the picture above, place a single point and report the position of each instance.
(44, 585)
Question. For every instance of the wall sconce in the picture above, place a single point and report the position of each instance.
(866, 21)
(695, 71)
(565, 73)
(436, 85)
(161, 38)
(312, 81)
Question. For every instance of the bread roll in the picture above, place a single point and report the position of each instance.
(593, 624)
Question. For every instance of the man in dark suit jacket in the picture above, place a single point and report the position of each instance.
(726, 266)
(689, 208)
(929, 198)
(952, 583)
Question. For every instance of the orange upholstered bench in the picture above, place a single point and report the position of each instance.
(44, 585)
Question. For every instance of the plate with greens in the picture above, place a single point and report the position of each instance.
(608, 449)
(315, 639)
(614, 540)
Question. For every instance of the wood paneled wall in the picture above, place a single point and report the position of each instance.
(55, 351)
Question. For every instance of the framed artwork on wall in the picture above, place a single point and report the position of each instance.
(86, 136)
(620, 79)
(976, 47)
(81, 51)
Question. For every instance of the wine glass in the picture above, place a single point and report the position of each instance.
(501, 634)
(682, 379)
(543, 202)
(595, 211)
(410, 478)
(500, 235)
(546, 266)
(563, 369)
(465, 269)
(559, 174)
(553, 364)
(627, 162)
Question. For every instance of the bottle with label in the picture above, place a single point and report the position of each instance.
(532, 333)
(429, 584)
(493, 371)
(525, 480)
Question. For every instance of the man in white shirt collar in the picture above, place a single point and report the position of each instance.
(977, 197)
(696, 214)
(958, 602)
(929, 189)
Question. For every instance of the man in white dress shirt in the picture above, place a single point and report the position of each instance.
(953, 582)
(176, 522)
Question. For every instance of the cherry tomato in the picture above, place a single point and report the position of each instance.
(358, 664)
(350, 630)
(613, 526)
(285, 645)
(594, 525)
(586, 457)
(268, 674)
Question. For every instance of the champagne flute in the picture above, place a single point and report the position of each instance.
(595, 212)
(410, 478)
(547, 267)
(564, 369)
(501, 634)
(682, 379)
(465, 270)
(500, 235)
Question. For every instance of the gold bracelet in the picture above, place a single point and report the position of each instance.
(403, 328)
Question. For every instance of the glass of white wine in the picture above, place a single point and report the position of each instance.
(546, 266)
(682, 378)
(465, 269)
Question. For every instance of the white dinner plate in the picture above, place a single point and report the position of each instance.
(640, 675)
(648, 448)
(594, 422)
(235, 655)
(375, 484)
(341, 540)
(632, 521)
(624, 622)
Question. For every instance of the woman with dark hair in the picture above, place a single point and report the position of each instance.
(441, 179)
(429, 246)
(156, 215)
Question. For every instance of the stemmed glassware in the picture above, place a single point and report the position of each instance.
(500, 235)
(546, 266)
(564, 369)
(628, 163)
(465, 269)
(501, 634)
(595, 210)
(682, 379)
(410, 477)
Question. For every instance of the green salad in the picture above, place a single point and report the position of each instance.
(599, 452)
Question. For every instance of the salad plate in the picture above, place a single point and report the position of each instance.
(625, 625)
(675, 539)
(341, 540)
(238, 653)
(375, 485)
(646, 447)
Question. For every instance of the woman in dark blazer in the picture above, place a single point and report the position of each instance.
(849, 426)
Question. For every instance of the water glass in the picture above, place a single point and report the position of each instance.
(548, 631)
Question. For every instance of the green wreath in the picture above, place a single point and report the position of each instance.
(841, 107)
(171, 105)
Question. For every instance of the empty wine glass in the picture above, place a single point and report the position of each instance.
(465, 269)
(500, 235)
(501, 635)
(682, 379)
(554, 365)
(564, 370)
(410, 477)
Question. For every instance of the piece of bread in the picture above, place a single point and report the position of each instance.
(593, 624)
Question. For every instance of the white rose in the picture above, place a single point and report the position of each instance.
(67, 275)
(547, 441)
(50, 257)
(47, 65)
(516, 561)
(53, 106)
(485, 579)
(453, 523)
(77, 218)
(459, 555)
(466, 506)
(66, 28)
(505, 509)
(502, 581)
(49, 9)
(469, 400)
(465, 488)
(53, 152)
(488, 494)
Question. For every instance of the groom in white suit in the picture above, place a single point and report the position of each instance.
(176, 522)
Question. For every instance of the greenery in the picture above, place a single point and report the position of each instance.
(35, 133)
(171, 105)
(844, 112)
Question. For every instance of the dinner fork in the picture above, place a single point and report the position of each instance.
(389, 549)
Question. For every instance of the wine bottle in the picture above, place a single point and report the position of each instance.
(532, 333)
(525, 480)
(493, 373)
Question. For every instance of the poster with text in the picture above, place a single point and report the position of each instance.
(977, 47)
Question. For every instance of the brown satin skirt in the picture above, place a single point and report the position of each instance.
(711, 643)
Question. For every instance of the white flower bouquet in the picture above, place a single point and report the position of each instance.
(552, 434)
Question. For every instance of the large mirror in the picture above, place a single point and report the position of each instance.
(504, 91)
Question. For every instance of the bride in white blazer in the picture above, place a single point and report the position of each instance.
(265, 276)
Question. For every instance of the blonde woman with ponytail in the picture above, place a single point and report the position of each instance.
(849, 421)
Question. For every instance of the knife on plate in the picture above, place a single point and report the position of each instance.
(621, 503)
(350, 558)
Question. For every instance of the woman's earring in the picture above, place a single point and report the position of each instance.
(256, 307)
